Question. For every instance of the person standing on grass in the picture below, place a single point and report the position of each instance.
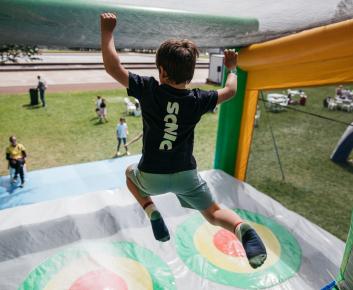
(303, 98)
(170, 113)
(41, 87)
(16, 156)
(339, 91)
(121, 133)
(98, 105)
(103, 111)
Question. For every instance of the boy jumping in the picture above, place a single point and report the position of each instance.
(170, 113)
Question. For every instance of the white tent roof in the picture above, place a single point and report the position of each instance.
(144, 24)
(274, 16)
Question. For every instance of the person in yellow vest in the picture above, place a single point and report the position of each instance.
(16, 155)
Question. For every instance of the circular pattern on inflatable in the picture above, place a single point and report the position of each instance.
(97, 266)
(217, 254)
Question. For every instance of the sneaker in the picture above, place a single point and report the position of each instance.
(14, 180)
(127, 153)
(118, 154)
(160, 230)
(254, 248)
(22, 184)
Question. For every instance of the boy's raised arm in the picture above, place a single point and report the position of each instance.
(110, 56)
(230, 88)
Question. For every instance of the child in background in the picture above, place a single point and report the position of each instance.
(103, 111)
(98, 106)
(170, 113)
(121, 133)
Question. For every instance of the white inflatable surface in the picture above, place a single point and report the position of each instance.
(103, 239)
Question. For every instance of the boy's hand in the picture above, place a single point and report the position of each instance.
(108, 22)
(230, 59)
(111, 59)
(230, 62)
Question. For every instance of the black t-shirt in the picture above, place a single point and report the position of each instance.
(169, 118)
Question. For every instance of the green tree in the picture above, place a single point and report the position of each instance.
(12, 52)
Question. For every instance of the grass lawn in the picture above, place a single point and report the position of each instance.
(67, 132)
(314, 186)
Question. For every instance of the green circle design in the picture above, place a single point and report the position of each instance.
(287, 265)
(162, 277)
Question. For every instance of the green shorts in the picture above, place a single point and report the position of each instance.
(191, 190)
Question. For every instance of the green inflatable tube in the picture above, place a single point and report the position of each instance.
(229, 127)
(75, 23)
(345, 279)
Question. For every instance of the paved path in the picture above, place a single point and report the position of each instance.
(58, 81)
(68, 80)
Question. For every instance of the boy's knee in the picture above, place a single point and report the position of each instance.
(129, 170)
(209, 214)
(209, 217)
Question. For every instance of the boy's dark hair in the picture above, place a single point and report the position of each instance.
(178, 59)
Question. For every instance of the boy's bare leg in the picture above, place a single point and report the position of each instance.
(160, 231)
(133, 189)
(222, 217)
(227, 219)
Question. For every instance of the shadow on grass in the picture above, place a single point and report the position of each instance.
(119, 156)
(280, 190)
(32, 107)
(348, 166)
(98, 123)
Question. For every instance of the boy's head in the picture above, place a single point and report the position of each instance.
(177, 58)
(99, 97)
(122, 120)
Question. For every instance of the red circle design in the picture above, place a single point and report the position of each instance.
(228, 243)
(98, 280)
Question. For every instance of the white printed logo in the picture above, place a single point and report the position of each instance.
(171, 126)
